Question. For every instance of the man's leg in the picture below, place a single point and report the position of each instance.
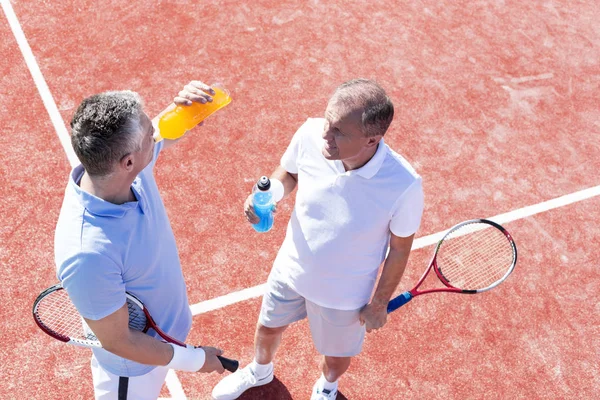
(109, 386)
(338, 336)
(266, 342)
(334, 367)
(280, 307)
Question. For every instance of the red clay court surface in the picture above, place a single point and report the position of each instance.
(497, 108)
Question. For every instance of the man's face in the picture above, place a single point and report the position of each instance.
(147, 146)
(344, 139)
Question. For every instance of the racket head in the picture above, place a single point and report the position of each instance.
(139, 319)
(475, 256)
(55, 314)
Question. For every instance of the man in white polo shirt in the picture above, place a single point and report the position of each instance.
(113, 236)
(356, 197)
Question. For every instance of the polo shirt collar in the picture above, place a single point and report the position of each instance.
(103, 208)
(369, 170)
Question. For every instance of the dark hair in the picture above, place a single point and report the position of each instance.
(378, 110)
(105, 128)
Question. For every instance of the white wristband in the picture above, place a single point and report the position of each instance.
(189, 358)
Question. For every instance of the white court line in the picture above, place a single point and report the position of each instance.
(174, 386)
(40, 82)
(540, 77)
(172, 382)
(256, 291)
(523, 79)
(228, 299)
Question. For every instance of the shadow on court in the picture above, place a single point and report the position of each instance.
(275, 390)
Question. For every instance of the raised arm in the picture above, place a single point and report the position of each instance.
(195, 91)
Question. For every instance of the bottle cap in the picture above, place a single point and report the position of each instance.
(274, 186)
(263, 184)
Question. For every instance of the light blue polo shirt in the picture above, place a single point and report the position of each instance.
(103, 250)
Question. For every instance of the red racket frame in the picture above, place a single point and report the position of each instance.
(405, 297)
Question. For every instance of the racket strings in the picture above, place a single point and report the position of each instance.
(475, 256)
(137, 318)
(476, 269)
(480, 275)
(493, 253)
(58, 314)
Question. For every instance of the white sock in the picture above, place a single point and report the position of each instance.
(261, 370)
(326, 384)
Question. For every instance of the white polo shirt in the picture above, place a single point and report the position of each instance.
(339, 231)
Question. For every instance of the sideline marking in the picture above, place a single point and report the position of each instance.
(40, 82)
(256, 291)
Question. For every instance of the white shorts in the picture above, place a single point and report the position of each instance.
(108, 386)
(335, 333)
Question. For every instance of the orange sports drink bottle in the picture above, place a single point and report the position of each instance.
(175, 123)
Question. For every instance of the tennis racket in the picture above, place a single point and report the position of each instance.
(54, 313)
(472, 257)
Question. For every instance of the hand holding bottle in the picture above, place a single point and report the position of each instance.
(260, 206)
(193, 105)
(195, 91)
(249, 210)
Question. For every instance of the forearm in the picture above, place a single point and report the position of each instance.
(139, 347)
(289, 181)
(393, 269)
(168, 142)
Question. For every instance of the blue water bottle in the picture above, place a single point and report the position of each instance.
(263, 202)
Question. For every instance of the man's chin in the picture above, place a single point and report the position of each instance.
(328, 155)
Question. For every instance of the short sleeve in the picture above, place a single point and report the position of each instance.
(289, 160)
(406, 216)
(94, 283)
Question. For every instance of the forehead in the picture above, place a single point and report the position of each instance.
(339, 112)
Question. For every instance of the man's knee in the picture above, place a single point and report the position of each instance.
(337, 362)
(266, 331)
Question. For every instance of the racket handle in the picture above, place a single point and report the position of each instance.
(229, 364)
(399, 301)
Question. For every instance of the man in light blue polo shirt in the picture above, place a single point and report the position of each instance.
(113, 236)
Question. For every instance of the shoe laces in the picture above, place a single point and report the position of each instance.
(326, 393)
(248, 375)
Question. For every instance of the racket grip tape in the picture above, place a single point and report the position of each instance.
(229, 364)
(399, 301)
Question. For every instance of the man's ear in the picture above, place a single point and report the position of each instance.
(373, 140)
(127, 162)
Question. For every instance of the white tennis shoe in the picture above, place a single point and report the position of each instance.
(320, 393)
(231, 387)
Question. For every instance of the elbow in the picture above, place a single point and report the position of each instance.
(110, 345)
(114, 344)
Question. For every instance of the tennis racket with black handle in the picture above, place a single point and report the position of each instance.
(56, 315)
(472, 257)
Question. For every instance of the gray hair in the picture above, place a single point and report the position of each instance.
(366, 94)
(105, 128)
